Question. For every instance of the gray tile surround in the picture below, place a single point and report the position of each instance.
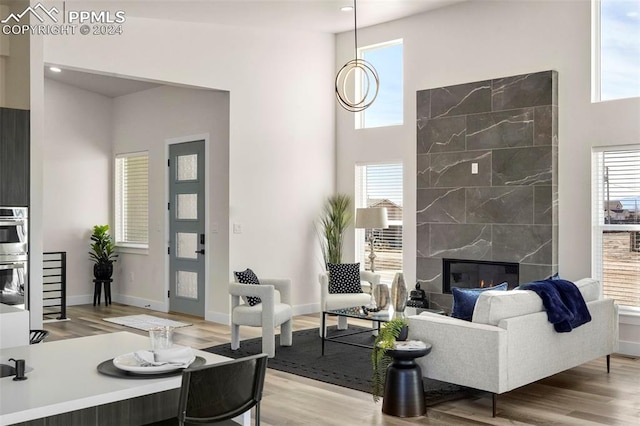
(508, 211)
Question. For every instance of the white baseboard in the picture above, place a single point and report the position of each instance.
(153, 305)
(218, 317)
(629, 348)
(87, 299)
(311, 308)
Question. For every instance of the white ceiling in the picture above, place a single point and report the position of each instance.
(304, 15)
(106, 85)
(299, 15)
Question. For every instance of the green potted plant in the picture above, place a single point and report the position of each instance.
(336, 217)
(103, 252)
(389, 333)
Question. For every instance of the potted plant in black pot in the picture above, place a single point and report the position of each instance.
(103, 252)
(392, 331)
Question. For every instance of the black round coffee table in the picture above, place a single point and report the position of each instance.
(403, 391)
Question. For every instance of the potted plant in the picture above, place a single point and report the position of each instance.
(390, 332)
(103, 252)
(336, 217)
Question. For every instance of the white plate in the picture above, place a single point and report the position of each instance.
(128, 362)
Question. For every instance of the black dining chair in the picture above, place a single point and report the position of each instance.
(37, 336)
(219, 392)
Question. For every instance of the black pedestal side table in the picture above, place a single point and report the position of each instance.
(97, 289)
(403, 391)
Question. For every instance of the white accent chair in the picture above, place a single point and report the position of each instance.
(275, 310)
(368, 280)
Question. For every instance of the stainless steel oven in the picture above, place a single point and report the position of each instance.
(14, 255)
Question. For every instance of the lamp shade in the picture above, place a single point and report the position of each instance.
(372, 218)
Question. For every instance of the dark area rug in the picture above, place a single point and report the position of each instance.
(342, 365)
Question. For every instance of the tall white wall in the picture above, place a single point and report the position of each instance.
(475, 41)
(282, 129)
(76, 175)
(145, 121)
(14, 62)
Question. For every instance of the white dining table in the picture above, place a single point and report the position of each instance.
(63, 380)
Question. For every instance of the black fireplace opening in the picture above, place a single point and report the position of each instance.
(477, 274)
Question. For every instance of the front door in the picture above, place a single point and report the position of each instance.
(186, 228)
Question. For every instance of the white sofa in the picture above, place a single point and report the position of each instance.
(510, 343)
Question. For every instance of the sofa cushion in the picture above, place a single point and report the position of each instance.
(464, 300)
(589, 288)
(493, 307)
(344, 278)
(248, 277)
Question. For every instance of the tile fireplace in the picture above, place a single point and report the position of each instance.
(487, 182)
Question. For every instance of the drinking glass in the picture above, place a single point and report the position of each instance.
(161, 337)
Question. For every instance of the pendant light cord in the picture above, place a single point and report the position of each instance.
(355, 28)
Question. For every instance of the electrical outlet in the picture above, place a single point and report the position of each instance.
(237, 228)
(131, 277)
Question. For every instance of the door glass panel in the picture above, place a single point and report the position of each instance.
(186, 245)
(187, 284)
(187, 167)
(187, 206)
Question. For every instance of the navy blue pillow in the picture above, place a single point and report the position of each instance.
(248, 277)
(344, 278)
(464, 300)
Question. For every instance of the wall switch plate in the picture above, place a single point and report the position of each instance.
(214, 228)
(237, 228)
(474, 168)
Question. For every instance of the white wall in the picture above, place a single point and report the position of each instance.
(281, 161)
(144, 121)
(14, 63)
(475, 41)
(76, 178)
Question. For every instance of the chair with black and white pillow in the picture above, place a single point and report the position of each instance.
(263, 303)
(335, 294)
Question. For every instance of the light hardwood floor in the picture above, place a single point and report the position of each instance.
(585, 395)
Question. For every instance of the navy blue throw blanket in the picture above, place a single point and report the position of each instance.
(566, 308)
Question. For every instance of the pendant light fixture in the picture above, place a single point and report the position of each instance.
(357, 71)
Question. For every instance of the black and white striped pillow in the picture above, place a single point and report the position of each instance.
(248, 277)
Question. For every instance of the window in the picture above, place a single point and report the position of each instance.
(380, 185)
(616, 216)
(387, 109)
(132, 200)
(616, 49)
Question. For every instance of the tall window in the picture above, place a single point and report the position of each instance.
(380, 185)
(616, 215)
(132, 200)
(387, 109)
(616, 46)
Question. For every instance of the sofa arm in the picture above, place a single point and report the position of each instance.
(463, 353)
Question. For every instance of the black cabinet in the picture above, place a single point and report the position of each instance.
(14, 157)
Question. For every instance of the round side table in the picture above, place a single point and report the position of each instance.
(403, 391)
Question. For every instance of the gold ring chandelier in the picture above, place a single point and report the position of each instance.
(357, 70)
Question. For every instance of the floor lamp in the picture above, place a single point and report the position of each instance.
(372, 218)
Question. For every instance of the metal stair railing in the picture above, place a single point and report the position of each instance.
(54, 285)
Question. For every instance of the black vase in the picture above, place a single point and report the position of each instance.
(404, 333)
(103, 271)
